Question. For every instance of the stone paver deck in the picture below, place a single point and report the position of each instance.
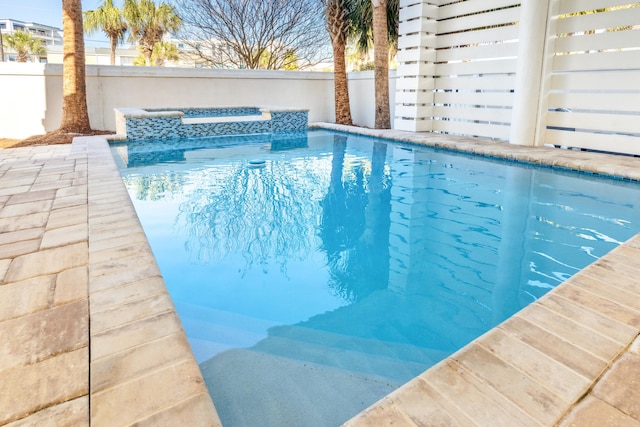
(90, 336)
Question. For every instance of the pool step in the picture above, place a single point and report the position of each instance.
(253, 388)
(212, 331)
(394, 361)
(215, 331)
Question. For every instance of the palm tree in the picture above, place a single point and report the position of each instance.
(75, 116)
(24, 44)
(1, 47)
(361, 21)
(148, 22)
(381, 64)
(372, 20)
(336, 12)
(162, 52)
(110, 20)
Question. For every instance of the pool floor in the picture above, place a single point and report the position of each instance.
(572, 357)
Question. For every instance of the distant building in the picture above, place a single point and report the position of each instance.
(97, 55)
(52, 36)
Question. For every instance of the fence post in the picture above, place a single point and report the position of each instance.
(530, 72)
(416, 65)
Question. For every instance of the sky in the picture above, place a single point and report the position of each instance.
(49, 12)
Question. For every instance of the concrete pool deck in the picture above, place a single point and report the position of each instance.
(90, 336)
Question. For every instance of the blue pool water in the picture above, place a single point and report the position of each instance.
(318, 279)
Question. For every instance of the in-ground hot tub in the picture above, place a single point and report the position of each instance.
(165, 123)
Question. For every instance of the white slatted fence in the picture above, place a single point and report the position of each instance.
(466, 52)
(458, 61)
(594, 87)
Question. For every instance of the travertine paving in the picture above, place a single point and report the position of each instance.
(44, 313)
(90, 336)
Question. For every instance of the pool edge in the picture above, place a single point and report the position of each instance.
(142, 369)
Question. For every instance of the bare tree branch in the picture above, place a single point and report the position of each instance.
(266, 34)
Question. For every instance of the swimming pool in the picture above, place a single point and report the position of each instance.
(353, 264)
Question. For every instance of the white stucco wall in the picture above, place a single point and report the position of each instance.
(31, 101)
(23, 99)
(362, 97)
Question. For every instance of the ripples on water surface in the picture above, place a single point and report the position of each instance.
(314, 284)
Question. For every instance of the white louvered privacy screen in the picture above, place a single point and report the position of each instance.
(563, 72)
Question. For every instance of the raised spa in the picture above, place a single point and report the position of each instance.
(166, 123)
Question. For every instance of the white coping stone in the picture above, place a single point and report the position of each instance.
(137, 112)
(140, 112)
(224, 119)
(116, 137)
(282, 109)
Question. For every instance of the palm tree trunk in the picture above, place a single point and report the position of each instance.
(337, 25)
(147, 56)
(114, 44)
(381, 64)
(1, 47)
(341, 86)
(75, 116)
